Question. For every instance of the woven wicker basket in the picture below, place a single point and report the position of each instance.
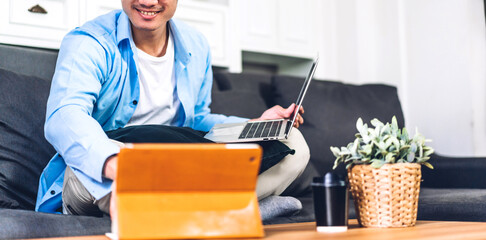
(386, 197)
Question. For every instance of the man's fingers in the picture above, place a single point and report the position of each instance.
(277, 112)
(299, 121)
(113, 202)
(293, 106)
(288, 111)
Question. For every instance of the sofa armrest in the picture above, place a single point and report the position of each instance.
(455, 172)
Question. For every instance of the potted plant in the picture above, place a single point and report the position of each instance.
(383, 165)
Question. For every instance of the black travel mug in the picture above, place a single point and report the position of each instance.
(330, 203)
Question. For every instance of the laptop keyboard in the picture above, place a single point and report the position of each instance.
(261, 129)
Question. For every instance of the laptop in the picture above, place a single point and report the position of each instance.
(187, 191)
(265, 130)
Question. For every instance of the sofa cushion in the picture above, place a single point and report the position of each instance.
(23, 224)
(331, 111)
(242, 95)
(24, 152)
(453, 204)
(236, 103)
(29, 61)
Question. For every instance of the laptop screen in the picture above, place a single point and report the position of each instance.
(303, 91)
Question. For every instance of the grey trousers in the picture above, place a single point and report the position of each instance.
(78, 201)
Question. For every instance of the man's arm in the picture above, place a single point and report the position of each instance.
(70, 128)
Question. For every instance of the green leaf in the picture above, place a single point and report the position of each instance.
(335, 151)
(410, 157)
(367, 150)
(344, 151)
(359, 124)
(396, 143)
(355, 144)
(365, 134)
(428, 165)
(423, 159)
(404, 147)
(428, 152)
(377, 123)
(377, 131)
(377, 163)
(382, 146)
(390, 157)
(404, 136)
(336, 164)
(389, 142)
(421, 151)
(394, 124)
(413, 147)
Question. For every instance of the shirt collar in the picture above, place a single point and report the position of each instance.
(123, 30)
(182, 53)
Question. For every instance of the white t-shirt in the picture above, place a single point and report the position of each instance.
(158, 103)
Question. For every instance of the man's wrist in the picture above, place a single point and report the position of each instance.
(109, 167)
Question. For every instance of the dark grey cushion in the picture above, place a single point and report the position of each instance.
(243, 95)
(21, 224)
(29, 61)
(455, 172)
(331, 111)
(454, 204)
(24, 152)
(238, 103)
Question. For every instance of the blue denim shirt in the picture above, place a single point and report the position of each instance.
(95, 89)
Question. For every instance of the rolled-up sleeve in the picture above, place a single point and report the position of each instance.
(80, 71)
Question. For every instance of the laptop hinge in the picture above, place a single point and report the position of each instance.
(287, 128)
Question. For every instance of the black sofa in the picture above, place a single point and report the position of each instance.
(455, 190)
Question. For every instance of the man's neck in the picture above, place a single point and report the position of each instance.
(152, 42)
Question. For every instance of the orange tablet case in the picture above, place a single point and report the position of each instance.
(187, 191)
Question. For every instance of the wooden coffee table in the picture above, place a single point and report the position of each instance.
(423, 230)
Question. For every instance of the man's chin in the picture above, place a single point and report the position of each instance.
(146, 28)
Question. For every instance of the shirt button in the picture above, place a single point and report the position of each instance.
(134, 102)
(53, 192)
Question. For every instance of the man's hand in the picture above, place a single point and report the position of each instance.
(109, 171)
(278, 112)
(113, 202)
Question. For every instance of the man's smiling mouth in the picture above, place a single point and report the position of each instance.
(148, 13)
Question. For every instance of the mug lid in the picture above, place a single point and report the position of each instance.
(331, 179)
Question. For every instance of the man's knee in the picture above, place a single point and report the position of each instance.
(76, 200)
(296, 163)
(277, 178)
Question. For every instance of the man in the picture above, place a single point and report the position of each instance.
(128, 69)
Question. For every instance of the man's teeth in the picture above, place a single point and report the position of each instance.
(148, 13)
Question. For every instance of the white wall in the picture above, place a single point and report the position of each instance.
(444, 49)
(434, 51)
